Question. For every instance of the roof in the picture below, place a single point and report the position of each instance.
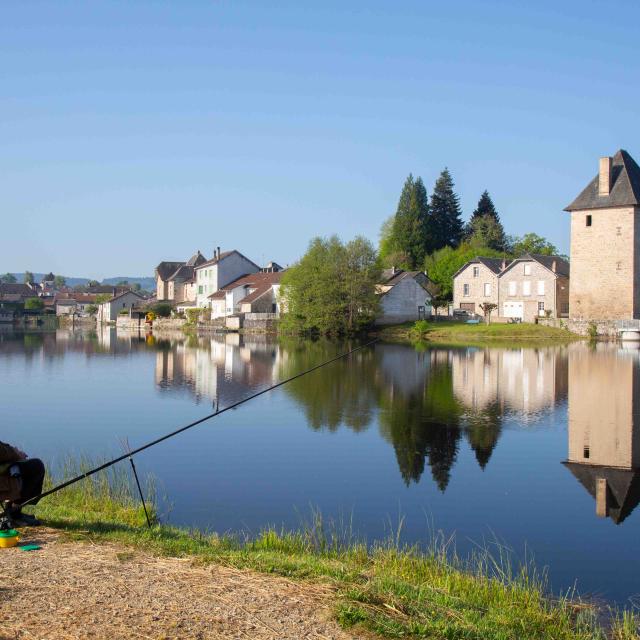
(166, 269)
(185, 272)
(196, 259)
(260, 282)
(625, 187)
(562, 265)
(16, 289)
(495, 265)
(623, 485)
(419, 276)
(124, 293)
(222, 256)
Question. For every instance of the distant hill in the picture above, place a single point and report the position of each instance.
(147, 283)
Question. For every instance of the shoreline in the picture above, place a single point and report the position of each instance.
(384, 588)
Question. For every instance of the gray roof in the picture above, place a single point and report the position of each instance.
(166, 269)
(625, 188)
(493, 264)
(184, 273)
(196, 259)
(562, 265)
(222, 256)
(419, 276)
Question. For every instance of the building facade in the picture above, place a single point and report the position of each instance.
(404, 296)
(108, 311)
(605, 243)
(476, 283)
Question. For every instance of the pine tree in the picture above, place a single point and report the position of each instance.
(484, 227)
(485, 208)
(445, 215)
(408, 236)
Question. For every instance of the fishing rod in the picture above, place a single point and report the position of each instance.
(218, 412)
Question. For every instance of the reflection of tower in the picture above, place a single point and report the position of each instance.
(604, 427)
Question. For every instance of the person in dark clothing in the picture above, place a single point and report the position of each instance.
(21, 479)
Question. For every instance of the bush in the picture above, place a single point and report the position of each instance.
(33, 304)
(193, 315)
(162, 309)
(592, 330)
(421, 327)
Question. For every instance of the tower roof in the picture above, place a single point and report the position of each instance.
(625, 189)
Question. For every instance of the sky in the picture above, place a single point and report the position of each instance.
(135, 132)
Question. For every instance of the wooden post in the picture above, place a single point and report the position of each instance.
(601, 498)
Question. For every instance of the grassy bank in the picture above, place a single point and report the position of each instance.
(449, 331)
(386, 589)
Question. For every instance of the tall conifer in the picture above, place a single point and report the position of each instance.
(445, 214)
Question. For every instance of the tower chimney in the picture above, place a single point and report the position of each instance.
(604, 177)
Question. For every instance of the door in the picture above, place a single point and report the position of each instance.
(514, 310)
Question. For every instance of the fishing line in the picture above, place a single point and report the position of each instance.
(153, 443)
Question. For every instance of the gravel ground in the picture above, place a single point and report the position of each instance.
(85, 590)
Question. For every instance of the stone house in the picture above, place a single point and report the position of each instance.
(605, 243)
(108, 311)
(68, 304)
(175, 281)
(404, 296)
(223, 268)
(476, 283)
(254, 293)
(532, 285)
(14, 292)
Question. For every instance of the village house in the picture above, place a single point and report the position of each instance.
(254, 293)
(223, 268)
(108, 311)
(74, 303)
(528, 287)
(404, 296)
(476, 283)
(605, 243)
(175, 281)
(10, 292)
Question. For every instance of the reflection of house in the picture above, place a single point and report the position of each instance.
(404, 296)
(604, 428)
(255, 293)
(605, 227)
(523, 381)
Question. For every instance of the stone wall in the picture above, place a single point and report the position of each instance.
(605, 328)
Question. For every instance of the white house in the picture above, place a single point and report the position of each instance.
(214, 274)
(253, 293)
(404, 296)
(108, 311)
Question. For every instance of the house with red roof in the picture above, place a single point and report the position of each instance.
(252, 293)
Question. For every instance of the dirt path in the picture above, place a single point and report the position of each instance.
(82, 590)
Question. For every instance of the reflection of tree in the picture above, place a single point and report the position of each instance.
(483, 429)
(343, 393)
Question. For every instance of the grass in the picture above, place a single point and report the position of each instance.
(386, 589)
(450, 331)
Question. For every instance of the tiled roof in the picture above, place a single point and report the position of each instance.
(258, 293)
(624, 191)
(562, 265)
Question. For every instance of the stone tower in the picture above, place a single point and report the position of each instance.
(605, 243)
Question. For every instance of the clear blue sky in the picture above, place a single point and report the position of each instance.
(133, 132)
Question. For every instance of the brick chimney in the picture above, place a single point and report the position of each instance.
(604, 177)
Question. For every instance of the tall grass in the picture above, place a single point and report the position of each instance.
(386, 588)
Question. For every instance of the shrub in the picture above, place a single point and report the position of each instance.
(193, 315)
(33, 304)
(162, 309)
(421, 327)
(592, 330)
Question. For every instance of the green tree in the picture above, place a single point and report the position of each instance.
(445, 214)
(136, 286)
(28, 277)
(92, 309)
(93, 283)
(8, 278)
(33, 304)
(484, 227)
(443, 264)
(331, 290)
(59, 281)
(406, 238)
(533, 244)
(103, 297)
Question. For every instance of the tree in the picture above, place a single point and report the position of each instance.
(439, 303)
(405, 238)
(103, 297)
(33, 304)
(136, 286)
(443, 264)
(331, 290)
(485, 207)
(93, 283)
(28, 277)
(484, 227)
(487, 308)
(533, 244)
(8, 278)
(59, 281)
(92, 309)
(445, 215)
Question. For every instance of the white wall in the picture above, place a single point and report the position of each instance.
(401, 303)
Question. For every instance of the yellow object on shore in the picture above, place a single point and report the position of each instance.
(9, 539)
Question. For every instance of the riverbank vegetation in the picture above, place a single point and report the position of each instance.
(450, 331)
(332, 289)
(387, 589)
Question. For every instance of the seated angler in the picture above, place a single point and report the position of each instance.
(21, 479)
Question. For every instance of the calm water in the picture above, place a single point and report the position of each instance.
(480, 443)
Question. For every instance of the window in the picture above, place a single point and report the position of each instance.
(586, 453)
(527, 269)
(487, 288)
(465, 290)
(540, 287)
(526, 288)
(588, 220)
(540, 308)
(200, 289)
(476, 272)
(513, 288)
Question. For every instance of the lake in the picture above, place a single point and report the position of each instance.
(538, 448)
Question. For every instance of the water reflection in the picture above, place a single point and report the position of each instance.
(604, 427)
